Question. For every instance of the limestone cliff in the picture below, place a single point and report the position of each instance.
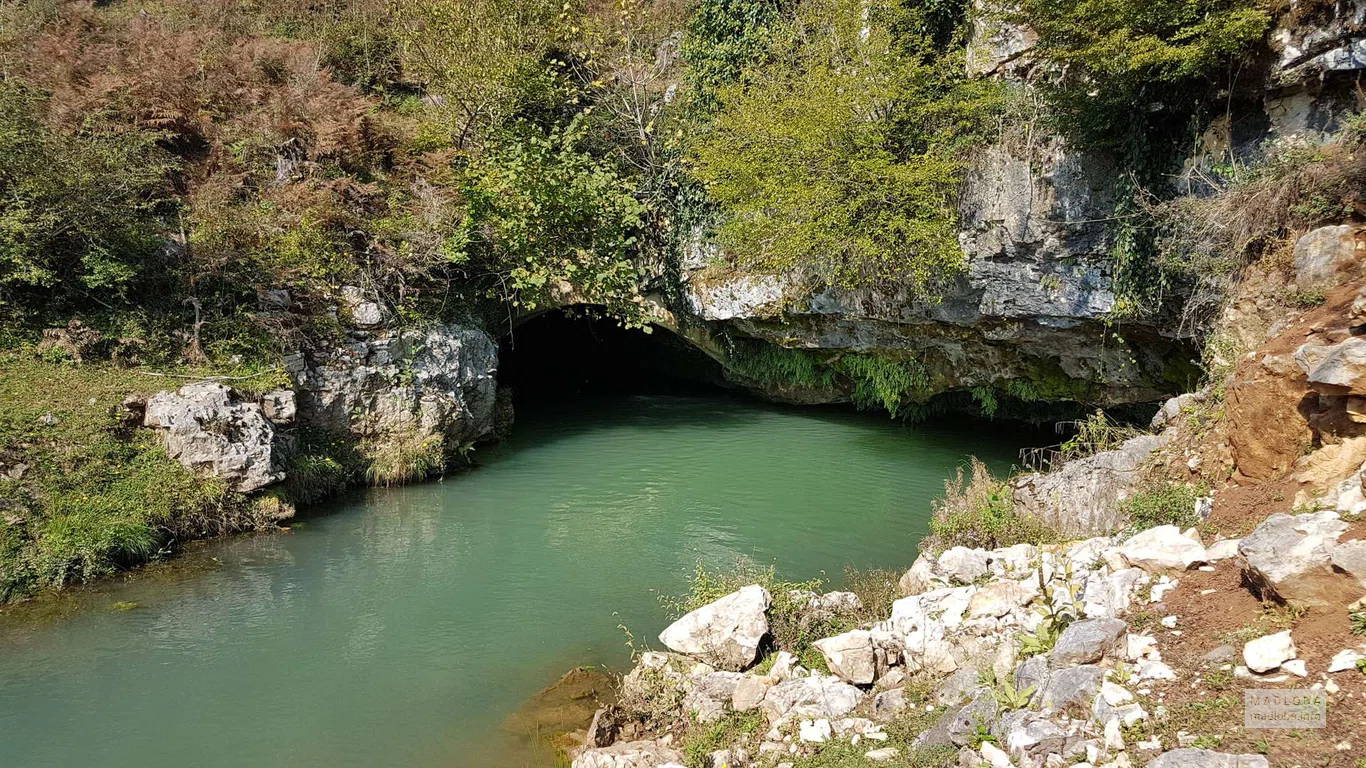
(1036, 303)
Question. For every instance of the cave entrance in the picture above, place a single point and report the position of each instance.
(580, 350)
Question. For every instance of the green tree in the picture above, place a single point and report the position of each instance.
(481, 59)
(546, 221)
(840, 154)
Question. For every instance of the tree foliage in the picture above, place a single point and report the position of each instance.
(722, 38)
(546, 220)
(1114, 59)
(481, 59)
(840, 154)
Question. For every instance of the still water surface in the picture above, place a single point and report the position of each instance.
(402, 627)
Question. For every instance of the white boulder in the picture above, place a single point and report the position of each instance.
(851, 656)
(213, 433)
(1163, 548)
(725, 633)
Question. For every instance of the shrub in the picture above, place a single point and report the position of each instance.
(79, 213)
(1096, 433)
(1165, 504)
(322, 464)
(545, 217)
(1253, 211)
(792, 626)
(839, 154)
(1119, 64)
(399, 459)
(978, 510)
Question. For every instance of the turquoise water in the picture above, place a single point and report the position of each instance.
(403, 626)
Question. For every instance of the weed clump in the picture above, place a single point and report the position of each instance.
(793, 624)
(1165, 504)
(978, 511)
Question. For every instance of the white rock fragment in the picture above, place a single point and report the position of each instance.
(994, 756)
(1344, 660)
(1163, 548)
(1268, 653)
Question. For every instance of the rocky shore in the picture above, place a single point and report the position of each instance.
(1024, 656)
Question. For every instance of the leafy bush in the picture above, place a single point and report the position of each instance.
(978, 510)
(1093, 434)
(546, 220)
(80, 212)
(1165, 504)
(839, 154)
(1253, 211)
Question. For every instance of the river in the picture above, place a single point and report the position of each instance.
(400, 627)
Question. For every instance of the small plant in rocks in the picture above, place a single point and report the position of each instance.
(1358, 621)
(1060, 606)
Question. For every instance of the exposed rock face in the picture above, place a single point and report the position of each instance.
(1325, 255)
(1083, 496)
(631, 754)
(1263, 398)
(1030, 304)
(998, 43)
(1337, 368)
(725, 633)
(212, 432)
(1325, 44)
(434, 384)
(1298, 559)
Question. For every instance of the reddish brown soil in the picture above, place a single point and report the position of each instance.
(1239, 509)
(1267, 397)
(1231, 615)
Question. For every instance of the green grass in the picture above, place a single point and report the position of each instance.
(1165, 504)
(98, 495)
(704, 738)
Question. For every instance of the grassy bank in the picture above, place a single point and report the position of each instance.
(84, 493)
